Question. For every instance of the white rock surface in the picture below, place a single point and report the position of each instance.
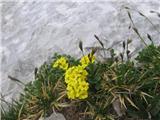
(33, 31)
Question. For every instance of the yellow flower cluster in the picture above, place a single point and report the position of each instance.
(76, 76)
(87, 59)
(61, 63)
(77, 87)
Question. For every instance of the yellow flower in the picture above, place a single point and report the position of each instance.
(77, 90)
(71, 95)
(77, 87)
(87, 59)
(70, 92)
(74, 73)
(83, 85)
(61, 63)
(83, 96)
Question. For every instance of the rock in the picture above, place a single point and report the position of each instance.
(55, 116)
